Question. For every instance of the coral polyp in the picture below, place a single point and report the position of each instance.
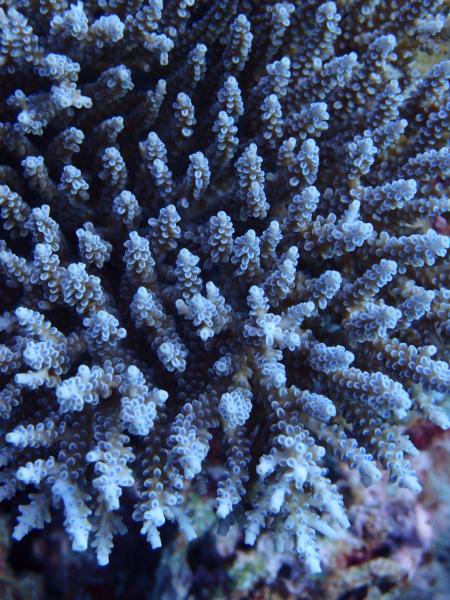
(218, 227)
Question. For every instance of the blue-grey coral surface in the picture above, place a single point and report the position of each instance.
(219, 263)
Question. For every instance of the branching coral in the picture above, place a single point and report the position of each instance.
(217, 220)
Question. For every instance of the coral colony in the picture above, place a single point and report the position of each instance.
(220, 273)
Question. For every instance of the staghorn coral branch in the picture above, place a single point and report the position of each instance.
(220, 259)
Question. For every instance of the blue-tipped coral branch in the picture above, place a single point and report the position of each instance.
(217, 225)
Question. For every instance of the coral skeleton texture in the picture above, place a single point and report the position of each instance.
(219, 267)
